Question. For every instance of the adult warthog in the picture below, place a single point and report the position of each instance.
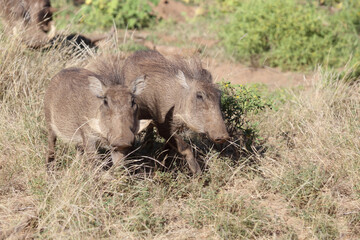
(87, 109)
(179, 93)
(30, 18)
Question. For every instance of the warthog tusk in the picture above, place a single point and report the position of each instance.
(143, 125)
(52, 32)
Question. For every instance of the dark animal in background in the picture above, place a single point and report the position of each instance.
(73, 43)
(78, 2)
(179, 94)
(32, 19)
(88, 109)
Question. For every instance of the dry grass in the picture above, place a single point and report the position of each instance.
(306, 186)
(314, 158)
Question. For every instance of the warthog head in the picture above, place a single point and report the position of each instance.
(29, 19)
(35, 12)
(44, 16)
(199, 107)
(117, 117)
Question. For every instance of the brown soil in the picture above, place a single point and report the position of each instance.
(222, 70)
(236, 73)
(170, 9)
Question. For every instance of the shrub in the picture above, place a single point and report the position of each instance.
(290, 35)
(236, 102)
(124, 13)
(228, 5)
(349, 13)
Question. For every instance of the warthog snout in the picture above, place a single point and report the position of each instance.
(121, 144)
(221, 139)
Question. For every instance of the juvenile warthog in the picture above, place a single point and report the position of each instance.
(86, 109)
(179, 93)
(31, 18)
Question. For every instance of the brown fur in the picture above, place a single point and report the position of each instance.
(179, 93)
(86, 108)
(109, 67)
(31, 18)
(78, 2)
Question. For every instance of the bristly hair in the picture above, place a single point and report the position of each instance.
(193, 70)
(155, 63)
(108, 68)
(191, 67)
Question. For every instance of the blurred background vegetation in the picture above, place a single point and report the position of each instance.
(295, 35)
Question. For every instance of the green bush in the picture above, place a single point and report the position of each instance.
(236, 102)
(290, 35)
(228, 5)
(124, 13)
(349, 14)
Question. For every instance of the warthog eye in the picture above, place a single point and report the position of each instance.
(199, 96)
(106, 101)
(133, 104)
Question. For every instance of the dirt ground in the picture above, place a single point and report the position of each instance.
(227, 70)
(221, 69)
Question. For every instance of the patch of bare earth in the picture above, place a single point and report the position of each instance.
(222, 70)
(171, 9)
(238, 73)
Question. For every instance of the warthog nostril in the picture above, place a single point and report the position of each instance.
(120, 145)
(220, 140)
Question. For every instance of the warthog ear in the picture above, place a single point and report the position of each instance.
(181, 79)
(96, 86)
(138, 85)
(206, 75)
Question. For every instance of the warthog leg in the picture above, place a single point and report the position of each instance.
(51, 149)
(176, 142)
(185, 150)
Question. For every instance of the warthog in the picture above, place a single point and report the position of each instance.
(179, 93)
(78, 2)
(87, 109)
(31, 18)
(73, 44)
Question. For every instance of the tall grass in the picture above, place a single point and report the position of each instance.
(305, 186)
(314, 156)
